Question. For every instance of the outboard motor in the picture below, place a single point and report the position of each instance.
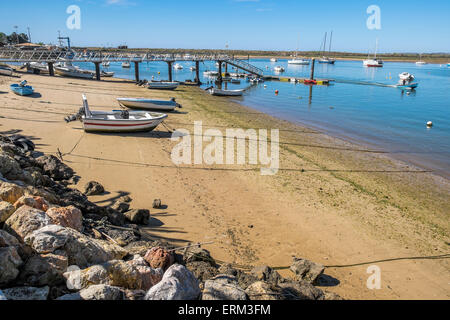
(23, 83)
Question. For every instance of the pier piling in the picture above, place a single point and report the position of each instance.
(97, 70)
(169, 64)
(313, 62)
(51, 71)
(219, 78)
(197, 72)
(136, 70)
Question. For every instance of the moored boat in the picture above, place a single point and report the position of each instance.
(162, 85)
(177, 66)
(22, 89)
(66, 69)
(151, 104)
(119, 120)
(279, 69)
(106, 74)
(126, 65)
(220, 92)
(374, 62)
(274, 60)
(5, 70)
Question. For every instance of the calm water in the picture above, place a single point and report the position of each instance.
(383, 117)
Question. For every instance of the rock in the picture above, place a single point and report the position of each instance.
(73, 197)
(69, 217)
(117, 273)
(123, 237)
(48, 239)
(178, 283)
(9, 168)
(121, 206)
(157, 203)
(93, 188)
(54, 168)
(44, 269)
(84, 251)
(10, 262)
(33, 202)
(267, 274)
(192, 254)
(244, 279)
(25, 220)
(331, 296)
(138, 216)
(26, 293)
(7, 240)
(158, 257)
(134, 294)
(6, 210)
(262, 291)
(300, 290)
(10, 192)
(202, 270)
(101, 292)
(115, 217)
(2, 296)
(126, 198)
(223, 287)
(306, 270)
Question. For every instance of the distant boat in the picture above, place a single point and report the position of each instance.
(296, 60)
(220, 92)
(177, 66)
(120, 120)
(327, 59)
(126, 65)
(106, 74)
(5, 70)
(210, 73)
(421, 62)
(22, 89)
(105, 64)
(40, 66)
(374, 62)
(162, 85)
(192, 68)
(274, 60)
(151, 104)
(235, 81)
(279, 69)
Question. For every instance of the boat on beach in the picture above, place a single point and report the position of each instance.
(119, 120)
(162, 85)
(37, 67)
(226, 93)
(66, 69)
(22, 89)
(149, 104)
(5, 70)
(106, 74)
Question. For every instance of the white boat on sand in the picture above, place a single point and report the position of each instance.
(66, 69)
(149, 104)
(120, 120)
(220, 92)
(162, 85)
(5, 70)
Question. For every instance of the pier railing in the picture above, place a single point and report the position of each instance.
(241, 64)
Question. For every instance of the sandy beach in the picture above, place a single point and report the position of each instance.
(337, 203)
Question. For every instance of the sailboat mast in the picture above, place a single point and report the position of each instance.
(331, 38)
(324, 44)
(376, 48)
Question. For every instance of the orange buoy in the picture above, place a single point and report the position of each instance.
(276, 92)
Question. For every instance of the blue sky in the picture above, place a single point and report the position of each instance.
(406, 26)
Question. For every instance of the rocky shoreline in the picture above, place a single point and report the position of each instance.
(55, 244)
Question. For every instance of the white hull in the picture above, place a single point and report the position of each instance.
(144, 104)
(6, 71)
(373, 63)
(299, 62)
(219, 92)
(126, 65)
(421, 63)
(69, 72)
(163, 85)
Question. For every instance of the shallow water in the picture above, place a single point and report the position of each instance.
(384, 117)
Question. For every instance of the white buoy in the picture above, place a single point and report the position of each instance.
(429, 124)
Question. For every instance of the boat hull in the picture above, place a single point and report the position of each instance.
(147, 104)
(327, 61)
(22, 91)
(6, 72)
(162, 85)
(73, 74)
(226, 93)
(408, 87)
(100, 125)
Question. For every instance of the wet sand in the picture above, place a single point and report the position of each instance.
(333, 202)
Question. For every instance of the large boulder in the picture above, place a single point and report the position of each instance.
(34, 202)
(9, 168)
(301, 290)
(306, 270)
(263, 291)
(54, 168)
(25, 220)
(267, 274)
(10, 192)
(121, 206)
(178, 283)
(158, 257)
(6, 210)
(26, 293)
(202, 270)
(10, 262)
(48, 239)
(69, 217)
(93, 188)
(96, 292)
(223, 287)
(192, 254)
(7, 240)
(44, 269)
(138, 216)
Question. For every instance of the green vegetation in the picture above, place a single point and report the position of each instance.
(13, 38)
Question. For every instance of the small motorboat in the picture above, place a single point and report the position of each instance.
(210, 73)
(119, 120)
(126, 65)
(37, 67)
(310, 81)
(406, 81)
(106, 74)
(178, 66)
(220, 92)
(273, 60)
(327, 60)
(5, 70)
(22, 89)
(302, 62)
(279, 69)
(66, 69)
(105, 64)
(192, 68)
(162, 85)
(150, 104)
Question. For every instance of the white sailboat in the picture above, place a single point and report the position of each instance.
(327, 59)
(421, 62)
(296, 60)
(374, 62)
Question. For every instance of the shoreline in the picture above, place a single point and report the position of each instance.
(343, 194)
